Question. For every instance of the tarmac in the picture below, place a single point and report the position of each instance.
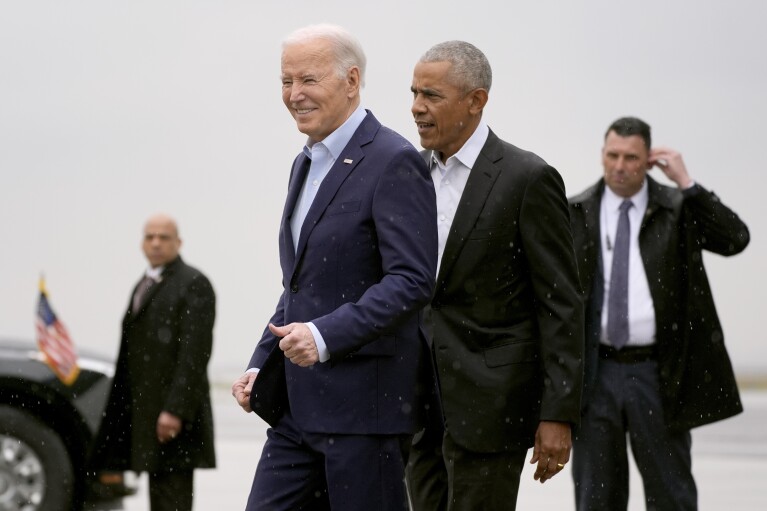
(729, 464)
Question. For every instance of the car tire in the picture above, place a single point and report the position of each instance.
(32, 449)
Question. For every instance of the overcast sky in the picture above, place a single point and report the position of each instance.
(111, 111)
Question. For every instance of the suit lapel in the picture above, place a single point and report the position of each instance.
(657, 199)
(654, 236)
(478, 187)
(347, 161)
(151, 292)
(297, 177)
(147, 298)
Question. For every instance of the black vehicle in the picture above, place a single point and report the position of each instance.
(45, 430)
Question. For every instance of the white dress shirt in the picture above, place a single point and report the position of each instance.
(641, 309)
(450, 179)
(154, 273)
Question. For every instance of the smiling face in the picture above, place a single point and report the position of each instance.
(317, 97)
(446, 115)
(625, 162)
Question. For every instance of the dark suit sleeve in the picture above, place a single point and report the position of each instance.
(189, 387)
(268, 339)
(404, 214)
(718, 228)
(547, 238)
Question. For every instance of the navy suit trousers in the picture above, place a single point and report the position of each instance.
(311, 471)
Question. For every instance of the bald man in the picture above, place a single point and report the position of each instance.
(158, 418)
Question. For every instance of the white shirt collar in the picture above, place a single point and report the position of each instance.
(469, 153)
(154, 273)
(613, 201)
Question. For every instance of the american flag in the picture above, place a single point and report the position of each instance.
(54, 342)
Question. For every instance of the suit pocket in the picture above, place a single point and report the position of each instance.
(519, 352)
(344, 207)
(385, 346)
(491, 233)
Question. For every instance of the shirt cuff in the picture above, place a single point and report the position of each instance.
(322, 348)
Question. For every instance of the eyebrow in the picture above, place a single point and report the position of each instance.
(425, 90)
(305, 75)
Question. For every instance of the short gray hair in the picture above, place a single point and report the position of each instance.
(470, 67)
(346, 49)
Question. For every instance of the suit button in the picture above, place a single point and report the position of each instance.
(294, 288)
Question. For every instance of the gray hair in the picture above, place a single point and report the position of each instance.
(346, 49)
(470, 67)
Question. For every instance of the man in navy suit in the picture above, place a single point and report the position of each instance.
(342, 366)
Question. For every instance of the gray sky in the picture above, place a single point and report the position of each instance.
(110, 111)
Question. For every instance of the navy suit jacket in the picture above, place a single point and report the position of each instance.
(364, 266)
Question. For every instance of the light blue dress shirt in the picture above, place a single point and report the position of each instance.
(323, 155)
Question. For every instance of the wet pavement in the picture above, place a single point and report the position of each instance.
(729, 464)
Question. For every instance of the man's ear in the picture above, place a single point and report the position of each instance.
(353, 81)
(477, 100)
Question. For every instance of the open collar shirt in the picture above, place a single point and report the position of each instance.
(450, 178)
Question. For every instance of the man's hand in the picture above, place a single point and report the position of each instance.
(168, 427)
(241, 390)
(671, 163)
(297, 343)
(551, 450)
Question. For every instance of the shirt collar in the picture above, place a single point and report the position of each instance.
(154, 273)
(336, 141)
(639, 200)
(469, 153)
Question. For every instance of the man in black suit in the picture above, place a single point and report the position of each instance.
(506, 319)
(655, 362)
(158, 417)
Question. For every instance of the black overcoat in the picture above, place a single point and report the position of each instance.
(162, 366)
(697, 380)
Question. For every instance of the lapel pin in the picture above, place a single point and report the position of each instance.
(348, 161)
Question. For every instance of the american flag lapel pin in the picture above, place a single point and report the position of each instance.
(348, 161)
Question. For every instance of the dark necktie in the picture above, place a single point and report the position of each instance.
(141, 290)
(618, 301)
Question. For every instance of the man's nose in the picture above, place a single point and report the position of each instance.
(417, 107)
(296, 93)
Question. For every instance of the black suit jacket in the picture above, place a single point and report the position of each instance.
(162, 366)
(697, 381)
(506, 320)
